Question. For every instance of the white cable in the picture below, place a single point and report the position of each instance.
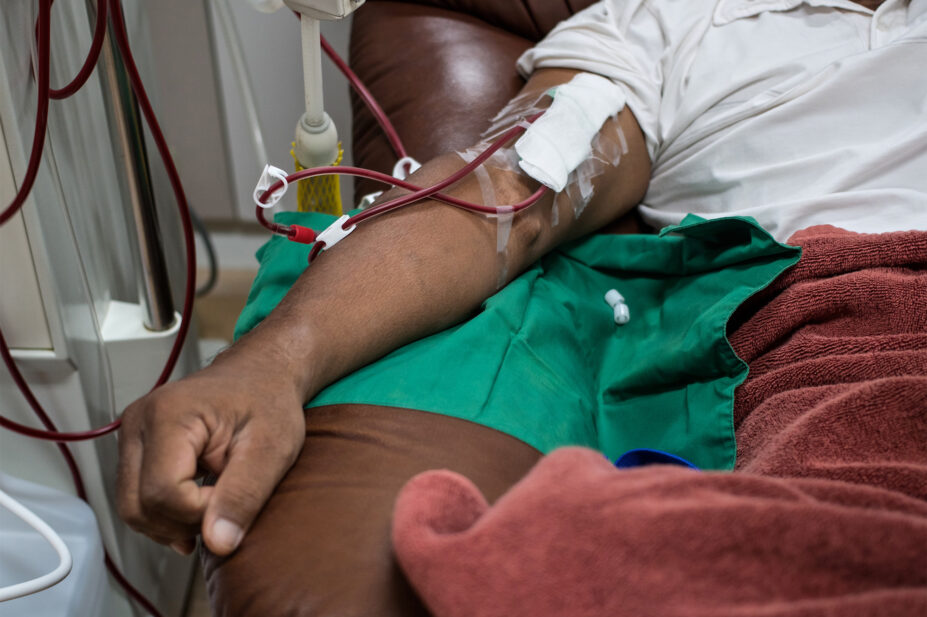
(311, 32)
(245, 86)
(11, 592)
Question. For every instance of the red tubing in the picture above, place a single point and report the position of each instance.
(303, 235)
(346, 170)
(51, 434)
(510, 134)
(417, 194)
(90, 63)
(45, 94)
(79, 487)
(184, 211)
(277, 228)
(41, 112)
(382, 119)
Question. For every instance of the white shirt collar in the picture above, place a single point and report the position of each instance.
(731, 10)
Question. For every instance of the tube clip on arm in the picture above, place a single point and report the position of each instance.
(335, 233)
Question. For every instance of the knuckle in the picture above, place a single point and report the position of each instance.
(156, 497)
(241, 498)
(131, 516)
(130, 417)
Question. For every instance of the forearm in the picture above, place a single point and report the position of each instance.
(425, 267)
(403, 276)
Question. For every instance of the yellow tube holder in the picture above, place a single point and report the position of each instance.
(320, 193)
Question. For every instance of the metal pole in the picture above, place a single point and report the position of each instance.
(311, 31)
(126, 127)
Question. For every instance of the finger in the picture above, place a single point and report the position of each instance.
(171, 501)
(184, 547)
(127, 477)
(256, 463)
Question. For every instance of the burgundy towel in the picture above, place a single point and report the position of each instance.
(825, 515)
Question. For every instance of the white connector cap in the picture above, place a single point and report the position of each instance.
(622, 314)
(616, 301)
(316, 146)
(614, 298)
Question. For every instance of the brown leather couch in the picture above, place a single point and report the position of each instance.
(441, 69)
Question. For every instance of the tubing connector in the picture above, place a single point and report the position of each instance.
(316, 144)
(301, 234)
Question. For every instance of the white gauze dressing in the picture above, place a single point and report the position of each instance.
(561, 140)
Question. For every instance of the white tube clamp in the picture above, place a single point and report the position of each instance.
(269, 176)
(335, 233)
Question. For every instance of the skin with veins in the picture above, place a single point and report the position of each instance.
(242, 417)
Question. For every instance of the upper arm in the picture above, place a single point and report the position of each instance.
(616, 188)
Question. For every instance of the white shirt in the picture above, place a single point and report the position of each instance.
(794, 112)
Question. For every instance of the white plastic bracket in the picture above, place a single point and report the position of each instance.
(405, 167)
(335, 233)
(270, 175)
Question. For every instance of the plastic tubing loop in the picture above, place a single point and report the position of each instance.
(41, 113)
(18, 590)
(122, 43)
(285, 230)
(90, 63)
(43, 30)
(46, 93)
(379, 115)
(418, 192)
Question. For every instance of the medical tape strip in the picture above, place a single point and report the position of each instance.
(504, 160)
(482, 176)
(521, 107)
(606, 155)
(504, 218)
(562, 139)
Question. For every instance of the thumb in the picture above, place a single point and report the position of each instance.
(256, 464)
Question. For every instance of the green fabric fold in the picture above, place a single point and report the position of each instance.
(544, 361)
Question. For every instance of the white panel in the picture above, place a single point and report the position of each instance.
(22, 314)
(187, 89)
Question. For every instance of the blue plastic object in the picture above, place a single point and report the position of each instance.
(641, 457)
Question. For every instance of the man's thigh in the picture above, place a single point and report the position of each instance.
(321, 546)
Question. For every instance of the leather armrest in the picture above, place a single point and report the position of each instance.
(440, 76)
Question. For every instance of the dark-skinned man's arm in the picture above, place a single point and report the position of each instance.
(402, 277)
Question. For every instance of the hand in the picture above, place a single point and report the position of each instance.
(245, 427)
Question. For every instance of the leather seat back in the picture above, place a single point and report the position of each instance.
(441, 69)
